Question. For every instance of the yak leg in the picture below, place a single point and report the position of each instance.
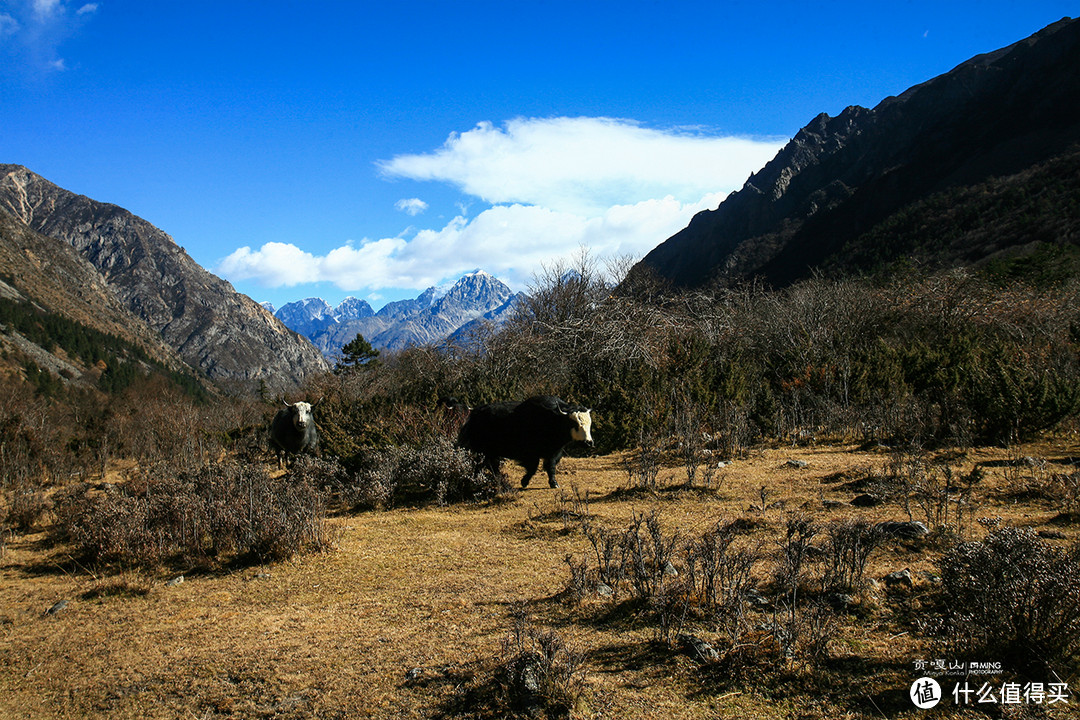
(549, 468)
(494, 464)
(530, 469)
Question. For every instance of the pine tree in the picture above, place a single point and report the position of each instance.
(357, 353)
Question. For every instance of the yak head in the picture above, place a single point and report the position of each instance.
(581, 425)
(300, 414)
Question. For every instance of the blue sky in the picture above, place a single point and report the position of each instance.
(376, 149)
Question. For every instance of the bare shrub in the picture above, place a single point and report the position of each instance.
(847, 549)
(540, 673)
(643, 465)
(791, 570)
(327, 475)
(689, 429)
(931, 487)
(719, 576)
(1012, 596)
(648, 553)
(436, 471)
(220, 511)
(1066, 488)
(23, 506)
(733, 430)
(573, 508)
(609, 553)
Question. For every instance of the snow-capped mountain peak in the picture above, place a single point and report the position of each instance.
(432, 316)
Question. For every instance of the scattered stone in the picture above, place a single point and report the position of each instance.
(842, 601)
(57, 607)
(906, 530)
(697, 648)
(931, 577)
(604, 590)
(670, 570)
(721, 464)
(263, 576)
(531, 673)
(866, 500)
(757, 600)
(1051, 534)
(175, 581)
(900, 577)
(526, 673)
(798, 464)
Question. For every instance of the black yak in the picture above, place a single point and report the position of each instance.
(526, 432)
(293, 430)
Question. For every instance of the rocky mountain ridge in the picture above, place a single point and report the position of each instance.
(202, 320)
(433, 316)
(823, 200)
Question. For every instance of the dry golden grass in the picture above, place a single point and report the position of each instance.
(432, 590)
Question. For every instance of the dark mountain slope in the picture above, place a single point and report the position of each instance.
(213, 328)
(51, 275)
(838, 179)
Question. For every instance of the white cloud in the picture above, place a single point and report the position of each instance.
(412, 206)
(8, 25)
(38, 28)
(555, 185)
(273, 265)
(510, 241)
(584, 165)
(45, 8)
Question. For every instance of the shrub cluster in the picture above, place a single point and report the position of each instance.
(1012, 597)
(221, 512)
(433, 471)
(713, 580)
(540, 674)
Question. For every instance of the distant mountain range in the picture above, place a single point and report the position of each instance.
(976, 166)
(107, 269)
(436, 315)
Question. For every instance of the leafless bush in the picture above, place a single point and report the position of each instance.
(733, 431)
(1012, 596)
(581, 584)
(573, 508)
(1066, 487)
(643, 465)
(436, 471)
(720, 575)
(608, 551)
(932, 487)
(847, 549)
(23, 507)
(689, 429)
(218, 512)
(649, 553)
(788, 576)
(540, 673)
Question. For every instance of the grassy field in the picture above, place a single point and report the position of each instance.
(411, 613)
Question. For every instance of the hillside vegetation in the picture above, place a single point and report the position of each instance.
(796, 495)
